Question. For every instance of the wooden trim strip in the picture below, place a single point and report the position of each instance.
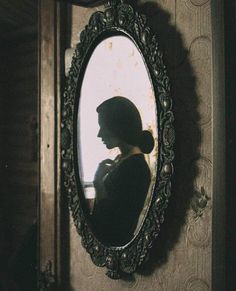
(47, 104)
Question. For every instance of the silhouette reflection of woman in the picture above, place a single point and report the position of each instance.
(121, 185)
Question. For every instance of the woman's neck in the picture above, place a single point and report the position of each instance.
(129, 150)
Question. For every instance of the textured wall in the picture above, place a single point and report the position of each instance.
(20, 135)
(181, 257)
(3, 242)
(18, 130)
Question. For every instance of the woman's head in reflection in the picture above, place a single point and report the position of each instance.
(121, 126)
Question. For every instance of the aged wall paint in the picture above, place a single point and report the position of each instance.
(18, 130)
(181, 257)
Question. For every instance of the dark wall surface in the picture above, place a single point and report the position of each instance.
(18, 136)
(230, 89)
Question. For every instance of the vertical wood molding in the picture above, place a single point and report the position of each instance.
(47, 101)
(51, 71)
(218, 97)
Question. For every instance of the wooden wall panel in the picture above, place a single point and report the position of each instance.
(18, 138)
(220, 270)
(4, 252)
(51, 80)
(182, 256)
(19, 132)
(47, 96)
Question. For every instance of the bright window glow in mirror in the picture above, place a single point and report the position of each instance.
(116, 68)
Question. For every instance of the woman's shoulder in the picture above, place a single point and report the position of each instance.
(133, 167)
(134, 163)
(135, 159)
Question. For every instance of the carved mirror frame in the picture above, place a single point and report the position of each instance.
(118, 19)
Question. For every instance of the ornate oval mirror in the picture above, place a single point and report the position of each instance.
(117, 138)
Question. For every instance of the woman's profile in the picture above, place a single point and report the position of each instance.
(121, 184)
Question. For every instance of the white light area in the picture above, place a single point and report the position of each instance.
(116, 68)
(89, 192)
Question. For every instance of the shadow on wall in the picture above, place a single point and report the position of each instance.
(188, 137)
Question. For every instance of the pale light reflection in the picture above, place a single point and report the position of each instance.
(116, 68)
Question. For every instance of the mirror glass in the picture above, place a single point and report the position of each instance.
(117, 140)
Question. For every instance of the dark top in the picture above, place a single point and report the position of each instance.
(115, 218)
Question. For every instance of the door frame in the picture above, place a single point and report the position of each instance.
(52, 34)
